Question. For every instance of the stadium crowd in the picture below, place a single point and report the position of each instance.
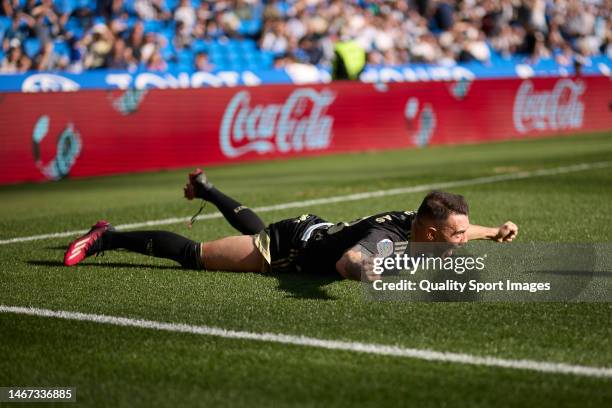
(77, 35)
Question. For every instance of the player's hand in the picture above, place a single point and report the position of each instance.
(506, 232)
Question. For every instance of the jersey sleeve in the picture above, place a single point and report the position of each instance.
(379, 242)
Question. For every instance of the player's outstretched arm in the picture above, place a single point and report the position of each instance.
(354, 264)
(504, 233)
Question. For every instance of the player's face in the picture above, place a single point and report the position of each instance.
(454, 230)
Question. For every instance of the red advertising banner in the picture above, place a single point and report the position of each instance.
(91, 133)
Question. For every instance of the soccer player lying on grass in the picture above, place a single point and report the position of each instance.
(307, 243)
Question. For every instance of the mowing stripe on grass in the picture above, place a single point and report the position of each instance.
(340, 199)
(370, 348)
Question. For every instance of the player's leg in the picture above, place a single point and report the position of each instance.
(161, 244)
(234, 254)
(240, 217)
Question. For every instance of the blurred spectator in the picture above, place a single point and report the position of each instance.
(186, 15)
(182, 36)
(122, 57)
(15, 61)
(98, 44)
(155, 62)
(151, 10)
(350, 60)
(275, 38)
(201, 63)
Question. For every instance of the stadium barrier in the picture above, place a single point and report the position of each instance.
(299, 74)
(92, 133)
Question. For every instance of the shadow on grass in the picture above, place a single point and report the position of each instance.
(107, 265)
(57, 247)
(295, 285)
(305, 286)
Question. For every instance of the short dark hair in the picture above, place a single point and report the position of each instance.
(439, 205)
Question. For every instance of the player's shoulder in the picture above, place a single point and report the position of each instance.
(394, 216)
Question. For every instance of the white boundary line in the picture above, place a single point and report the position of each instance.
(340, 199)
(370, 348)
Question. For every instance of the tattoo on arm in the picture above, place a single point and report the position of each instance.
(354, 269)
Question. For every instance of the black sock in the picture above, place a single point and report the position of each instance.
(240, 217)
(161, 244)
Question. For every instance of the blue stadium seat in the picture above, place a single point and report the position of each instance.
(248, 45)
(185, 57)
(173, 4)
(232, 47)
(233, 56)
(199, 45)
(215, 47)
(98, 20)
(3, 30)
(168, 37)
(215, 58)
(85, 4)
(130, 22)
(184, 66)
(266, 59)
(222, 66)
(73, 22)
(283, 7)
(75, 27)
(238, 65)
(249, 27)
(32, 47)
(152, 26)
(250, 55)
(252, 66)
(168, 54)
(61, 48)
(64, 6)
(5, 23)
(130, 6)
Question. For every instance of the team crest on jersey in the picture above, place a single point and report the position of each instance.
(384, 248)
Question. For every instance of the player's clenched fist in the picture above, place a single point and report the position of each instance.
(507, 232)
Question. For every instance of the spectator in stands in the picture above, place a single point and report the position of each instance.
(275, 38)
(151, 10)
(122, 57)
(98, 44)
(136, 40)
(16, 61)
(155, 62)
(201, 63)
(18, 30)
(309, 50)
(182, 36)
(186, 15)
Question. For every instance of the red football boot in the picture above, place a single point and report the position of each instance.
(87, 245)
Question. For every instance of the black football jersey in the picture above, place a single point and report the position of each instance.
(382, 234)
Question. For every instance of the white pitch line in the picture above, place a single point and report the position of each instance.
(339, 199)
(370, 348)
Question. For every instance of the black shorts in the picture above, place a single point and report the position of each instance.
(281, 244)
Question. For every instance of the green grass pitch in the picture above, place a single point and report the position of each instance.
(130, 367)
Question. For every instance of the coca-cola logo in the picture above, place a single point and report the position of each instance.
(299, 124)
(555, 109)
